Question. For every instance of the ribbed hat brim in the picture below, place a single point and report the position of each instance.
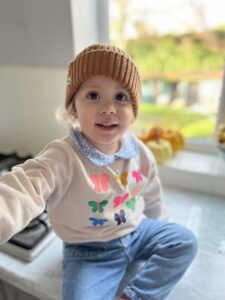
(108, 61)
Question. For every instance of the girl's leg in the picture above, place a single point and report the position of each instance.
(93, 271)
(167, 250)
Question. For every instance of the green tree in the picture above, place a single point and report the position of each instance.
(168, 55)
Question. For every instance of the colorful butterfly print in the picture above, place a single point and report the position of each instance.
(96, 222)
(136, 190)
(101, 182)
(131, 203)
(118, 200)
(122, 179)
(98, 206)
(120, 217)
(137, 175)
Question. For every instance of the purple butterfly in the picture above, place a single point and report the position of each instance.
(120, 217)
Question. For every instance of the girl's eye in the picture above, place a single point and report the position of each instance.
(121, 97)
(93, 95)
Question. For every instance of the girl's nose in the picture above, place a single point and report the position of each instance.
(108, 108)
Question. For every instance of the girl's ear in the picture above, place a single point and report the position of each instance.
(74, 108)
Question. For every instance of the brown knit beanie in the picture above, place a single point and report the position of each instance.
(104, 60)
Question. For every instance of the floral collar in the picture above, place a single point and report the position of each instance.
(127, 150)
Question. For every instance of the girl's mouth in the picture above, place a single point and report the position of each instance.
(106, 126)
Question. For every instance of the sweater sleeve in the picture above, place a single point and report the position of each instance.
(24, 190)
(152, 191)
(153, 195)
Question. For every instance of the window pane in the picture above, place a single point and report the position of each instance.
(178, 47)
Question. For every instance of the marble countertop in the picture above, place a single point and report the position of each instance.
(41, 277)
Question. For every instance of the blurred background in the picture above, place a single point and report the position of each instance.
(179, 47)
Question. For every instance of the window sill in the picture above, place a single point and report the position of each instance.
(201, 172)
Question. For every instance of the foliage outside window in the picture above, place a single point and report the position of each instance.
(181, 74)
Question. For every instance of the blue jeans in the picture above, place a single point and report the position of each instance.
(94, 271)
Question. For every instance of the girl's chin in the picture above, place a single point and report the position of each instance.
(105, 139)
(107, 147)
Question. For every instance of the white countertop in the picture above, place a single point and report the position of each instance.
(41, 277)
(195, 171)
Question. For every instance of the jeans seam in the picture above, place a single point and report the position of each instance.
(124, 248)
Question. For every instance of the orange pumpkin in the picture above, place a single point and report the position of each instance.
(154, 133)
(144, 138)
(175, 138)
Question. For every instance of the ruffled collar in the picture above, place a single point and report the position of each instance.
(127, 150)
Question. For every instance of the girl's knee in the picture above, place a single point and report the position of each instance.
(189, 241)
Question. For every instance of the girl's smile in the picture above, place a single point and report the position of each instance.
(104, 111)
(107, 126)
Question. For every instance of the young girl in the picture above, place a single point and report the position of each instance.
(102, 190)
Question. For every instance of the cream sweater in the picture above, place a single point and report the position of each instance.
(85, 202)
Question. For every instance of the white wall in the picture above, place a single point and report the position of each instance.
(38, 39)
(29, 98)
(35, 32)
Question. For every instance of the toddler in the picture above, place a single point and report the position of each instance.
(102, 190)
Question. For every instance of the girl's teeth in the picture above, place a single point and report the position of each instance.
(106, 125)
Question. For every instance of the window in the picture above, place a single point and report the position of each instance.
(178, 47)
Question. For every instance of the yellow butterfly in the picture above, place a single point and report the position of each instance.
(122, 179)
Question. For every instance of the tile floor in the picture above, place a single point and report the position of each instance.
(205, 215)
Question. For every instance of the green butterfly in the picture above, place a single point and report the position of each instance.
(98, 206)
(131, 203)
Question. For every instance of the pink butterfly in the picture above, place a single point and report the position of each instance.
(136, 190)
(101, 182)
(137, 175)
(118, 200)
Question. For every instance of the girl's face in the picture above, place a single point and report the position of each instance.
(105, 112)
